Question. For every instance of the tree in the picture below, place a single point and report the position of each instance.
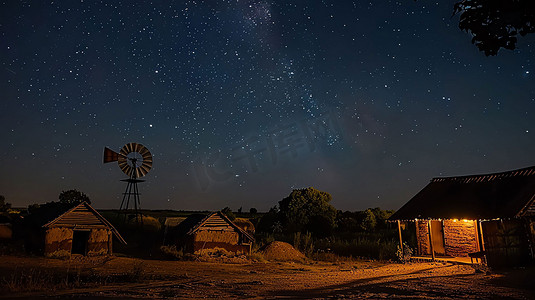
(381, 216)
(253, 211)
(346, 221)
(73, 197)
(495, 24)
(369, 221)
(267, 221)
(307, 210)
(4, 206)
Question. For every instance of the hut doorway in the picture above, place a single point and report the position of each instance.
(437, 237)
(79, 241)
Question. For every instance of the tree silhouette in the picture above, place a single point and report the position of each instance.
(368, 220)
(4, 206)
(495, 24)
(73, 197)
(308, 210)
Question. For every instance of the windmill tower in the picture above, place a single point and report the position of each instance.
(135, 160)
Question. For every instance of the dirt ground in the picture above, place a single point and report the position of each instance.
(129, 278)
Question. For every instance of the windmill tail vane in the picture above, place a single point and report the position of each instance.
(110, 155)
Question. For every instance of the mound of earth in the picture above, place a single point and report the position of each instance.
(281, 251)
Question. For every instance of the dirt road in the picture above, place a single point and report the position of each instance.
(127, 278)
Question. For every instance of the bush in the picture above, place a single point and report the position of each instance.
(256, 256)
(361, 246)
(404, 254)
(304, 243)
(171, 251)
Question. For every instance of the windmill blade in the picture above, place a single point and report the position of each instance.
(147, 165)
(142, 166)
(139, 173)
(144, 169)
(138, 148)
(144, 151)
(110, 155)
(126, 168)
(128, 148)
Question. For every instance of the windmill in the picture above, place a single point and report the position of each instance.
(135, 160)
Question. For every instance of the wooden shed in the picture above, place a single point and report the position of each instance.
(80, 230)
(201, 232)
(487, 215)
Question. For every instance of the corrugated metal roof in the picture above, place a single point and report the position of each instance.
(485, 196)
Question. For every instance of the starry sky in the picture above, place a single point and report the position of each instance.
(242, 101)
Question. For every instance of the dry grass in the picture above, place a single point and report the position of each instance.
(256, 257)
(331, 257)
(172, 251)
(118, 278)
(39, 279)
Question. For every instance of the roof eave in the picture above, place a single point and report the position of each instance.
(99, 216)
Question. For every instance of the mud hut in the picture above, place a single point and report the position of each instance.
(202, 232)
(480, 216)
(79, 230)
(6, 231)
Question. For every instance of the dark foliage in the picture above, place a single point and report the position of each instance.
(368, 220)
(73, 197)
(495, 24)
(4, 206)
(307, 210)
(269, 221)
(307, 219)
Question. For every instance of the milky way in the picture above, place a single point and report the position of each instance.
(242, 101)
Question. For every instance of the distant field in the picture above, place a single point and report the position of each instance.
(159, 213)
(167, 213)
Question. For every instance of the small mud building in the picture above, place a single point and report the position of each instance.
(6, 228)
(488, 215)
(79, 230)
(202, 232)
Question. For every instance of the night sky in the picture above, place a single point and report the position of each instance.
(242, 101)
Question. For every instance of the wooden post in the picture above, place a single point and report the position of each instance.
(481, 242)
(400, 240)
(478, 239)
(430, 240)
(110, 245)
(480, 233)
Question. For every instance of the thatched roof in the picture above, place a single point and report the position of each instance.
(83, 214)
(186, 225)
(486, 196)
(197, 221)
(173, 221)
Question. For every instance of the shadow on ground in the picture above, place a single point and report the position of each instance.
(419, 285)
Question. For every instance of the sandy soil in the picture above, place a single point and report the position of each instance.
(272, 280)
